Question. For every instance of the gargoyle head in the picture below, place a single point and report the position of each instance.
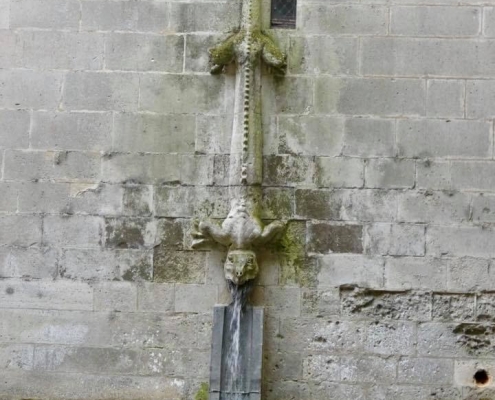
(241, 266)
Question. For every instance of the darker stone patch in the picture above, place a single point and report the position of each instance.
(403, 305)
(178, 266)
(327, 238)
(277, 203)
(285, 170)
(317, 204)
(485, 307)
(453, 307)
(136, 200)
(125, 233)
(478, 339)
(9, 290)
(139, 272)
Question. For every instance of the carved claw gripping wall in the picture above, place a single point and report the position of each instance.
(243, 232)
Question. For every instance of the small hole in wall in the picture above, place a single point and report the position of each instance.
(481, 377)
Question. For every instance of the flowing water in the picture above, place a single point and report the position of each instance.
(235, 384)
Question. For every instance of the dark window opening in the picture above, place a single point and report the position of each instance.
(284, 14)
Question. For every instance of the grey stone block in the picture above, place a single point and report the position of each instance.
(320, 367)
(204, 17)
(480, 97)
(130, 233)
(369, 137)
(445, 98)
(61, 50)
(336, 270)
(475, 175)
(106, 265)
(489, 21)
(71, 131)
(368, 369)
(33, 263)
(435, 21)
(60, 295)
(63, 166)
(292, 96)
(159, 362)
(395, 240)
(390, 338)
(420, 273)
(318, 204)
(339, 172)
(284, 301)
(196, 58)
(370, 96)
(115, 296)
(339, 58)
(30, 89)
(213, 134)
(369, 205)
(181, 94)
(444, 138)
(390, 173)
(153, 16)
(196, 169)
(287, 170)
(138, 200)
(327, 238)
(195, 298)
(303, 135)
(4, 14)
(439, 340)
(14, 129)
(433, 175)
(141, 168)
(427, 57)
(342, 19)
(17, 357)
(452, 307)
(469, 274)
(425, 371)
(10, 57)
(451, 240)
(20, 230)
(109, 15)
(131, 52)
(73, 231)
(58, 14)
(95, 199)
(156, 297)
(101, 91)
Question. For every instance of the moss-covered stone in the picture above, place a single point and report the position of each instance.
(178, 266)
(202, 393)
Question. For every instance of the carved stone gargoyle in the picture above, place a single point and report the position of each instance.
(242, 231)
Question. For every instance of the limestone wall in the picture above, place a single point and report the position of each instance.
(378, 152)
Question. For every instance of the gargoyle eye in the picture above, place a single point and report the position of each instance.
(231, 259)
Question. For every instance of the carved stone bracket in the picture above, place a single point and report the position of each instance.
(242, 231)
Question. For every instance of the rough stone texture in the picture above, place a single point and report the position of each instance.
(378, 152)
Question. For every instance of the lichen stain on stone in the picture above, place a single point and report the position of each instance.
(138, 272)
(202, 393)
(476, 338)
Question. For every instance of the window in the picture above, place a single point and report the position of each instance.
(284, 14)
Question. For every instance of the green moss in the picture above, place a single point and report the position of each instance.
(223, 53)
(202, 393)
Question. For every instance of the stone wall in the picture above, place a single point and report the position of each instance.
(378, 153)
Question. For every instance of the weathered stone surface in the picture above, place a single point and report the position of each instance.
(325, 238)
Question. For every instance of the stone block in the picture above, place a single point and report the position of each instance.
(370, 96)
(174, 363)
(4, 14)
(195, 298)
(72, 231)
(204, 17)
(58, 14)
(475, 175)
(107, 15)
(287, 170)
(181, 94)
(196, 58)
(489, 21)
(96, 199)
(213, 134)
(17, 357)
(358, 303)
(469, 274)
(390, 338)
(115, 296)
(339, 172)
(480, 97)
(369, 137)
(139, 168)
(390, 173)
(89, 131)
(106, 265)
(304, 135)
(277, 203)
(318, 204)
(434, 207)
(196, 169)
(485, 307)
(444, 138)
(452, 307)
(172, 266)
(368, 369)
(154, 133)
(342, 19)
(294, 95)
(284, 301)
(58, 295)
(464, 371)
(439, 340)
(369, 205)
(435, 21)
(445, 98)
(20, 230)
(61, 50)
(414, 392)
(283, 365)
(329, 238)
(433, 175)
(427, 57)
(101, 91)
(460, 241)
(395, 240)
(305, 55)
(33, 263)
(422, 371)
(320, 302)
(416, 273)
(30, 89)
(138, 200)
(41, 197)
(11, 53)
(131, 52)
(156, 297)
(14, 129)
(153, 16)
(130, 233)
(63, 166)
(321, 367)
(337, 270)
